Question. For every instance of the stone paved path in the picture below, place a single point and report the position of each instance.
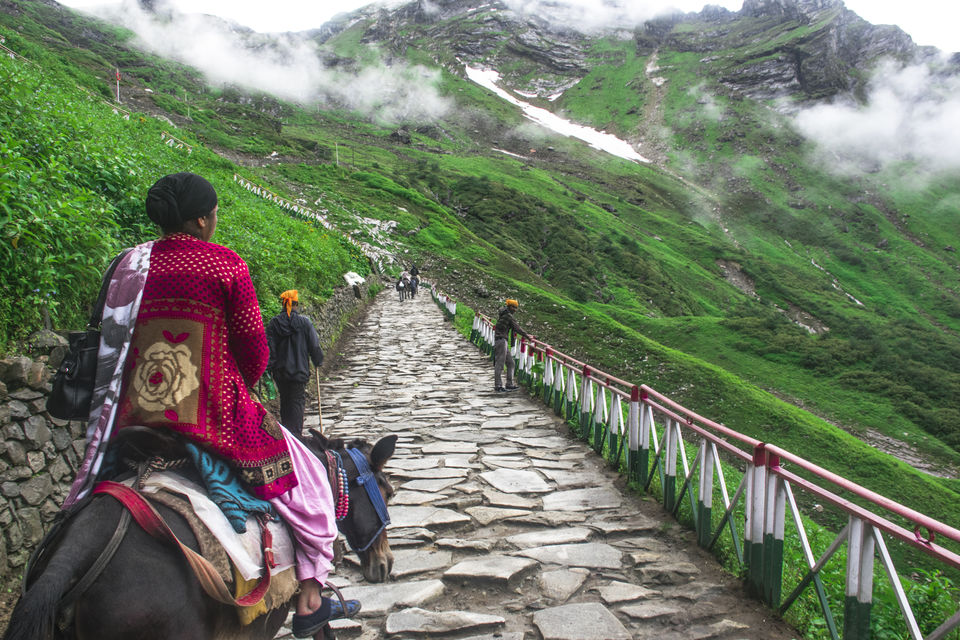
(503, 525)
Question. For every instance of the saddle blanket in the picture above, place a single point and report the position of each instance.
(244, 549)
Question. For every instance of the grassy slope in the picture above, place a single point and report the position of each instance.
(655, 253)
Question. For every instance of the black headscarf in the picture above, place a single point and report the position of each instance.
(179, 198)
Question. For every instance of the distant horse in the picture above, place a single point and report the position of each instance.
(147, 591)
(403, 286)
(414, 284)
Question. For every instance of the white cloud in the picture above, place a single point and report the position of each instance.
(911, 114)
(286, 66)
(588, 15)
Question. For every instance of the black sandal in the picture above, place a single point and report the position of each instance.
(306, 626)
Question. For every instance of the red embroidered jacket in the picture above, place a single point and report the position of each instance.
(198, 344)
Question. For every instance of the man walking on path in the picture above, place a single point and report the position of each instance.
(501, 345)
(293, 343)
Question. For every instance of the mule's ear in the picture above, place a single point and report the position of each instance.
(319, 438)
(382, 451)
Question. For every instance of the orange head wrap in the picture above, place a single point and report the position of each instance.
(512, 303)
(287, 298)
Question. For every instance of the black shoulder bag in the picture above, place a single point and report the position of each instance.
(73, 383)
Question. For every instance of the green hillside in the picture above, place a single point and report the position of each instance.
(692, 274)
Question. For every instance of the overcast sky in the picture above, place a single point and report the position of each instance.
(929, 22)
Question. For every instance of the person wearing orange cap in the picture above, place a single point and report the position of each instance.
(293, 343)
(501, 345)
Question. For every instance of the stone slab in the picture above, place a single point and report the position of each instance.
(462, 543)
(567, 479)
(541, 442)
(378, 600)
(424, 517)
(669, 572)
(502, 462)
(430, 474)
(450, 447)
(412, 463)
(650, 610)
(466, 436)
(502, 569)
(422, 622)
(561, 584)
(618, 591)
(407, 562)
(430, 485)
(516, 481)
(498, 499)
(582, 621)
(583, 500)
(514, 421)
(413, 498)
(593, 555)
(564, 535)
(633, 524)
(486, 515)
(501, 451)
(554, 518)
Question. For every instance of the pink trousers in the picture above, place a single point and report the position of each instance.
(308, 511)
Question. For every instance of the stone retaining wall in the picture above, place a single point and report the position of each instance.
(40, 454)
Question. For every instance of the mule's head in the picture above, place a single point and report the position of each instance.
(364, 527)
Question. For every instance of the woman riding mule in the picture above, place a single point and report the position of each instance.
(182, 341)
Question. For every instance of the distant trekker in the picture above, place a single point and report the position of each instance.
(506, 324)
(293, 344)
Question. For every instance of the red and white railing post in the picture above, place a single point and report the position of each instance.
(705, 494)
(570, 405)
(586, 397)
(671, 448)
(633, 435)
(648, 434)
(547, 391)
(597, 421)
(615, 426)
(755, 508)
(774, 515)
(859, 587)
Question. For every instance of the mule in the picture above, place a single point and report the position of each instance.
(147, 591)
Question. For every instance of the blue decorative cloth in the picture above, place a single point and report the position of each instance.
(225, 489)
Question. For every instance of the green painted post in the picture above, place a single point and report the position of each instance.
(570, 400)
(585, 398)
(646, 429)
(547, 382)
(670, 467)
(858, 603)
(596, 421)
(753, 531)
(633, 435)
(614, 418)
(774, 514)
(558, 397)
(705, 495)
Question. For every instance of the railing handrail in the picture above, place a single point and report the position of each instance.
(772, 455)
(775, 455)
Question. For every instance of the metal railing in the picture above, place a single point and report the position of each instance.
(608, 413)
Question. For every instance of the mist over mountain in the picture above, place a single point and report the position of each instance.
(781, 202)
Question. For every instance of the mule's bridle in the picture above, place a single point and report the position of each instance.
(367, 480)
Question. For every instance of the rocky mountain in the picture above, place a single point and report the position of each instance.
(801, 49)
